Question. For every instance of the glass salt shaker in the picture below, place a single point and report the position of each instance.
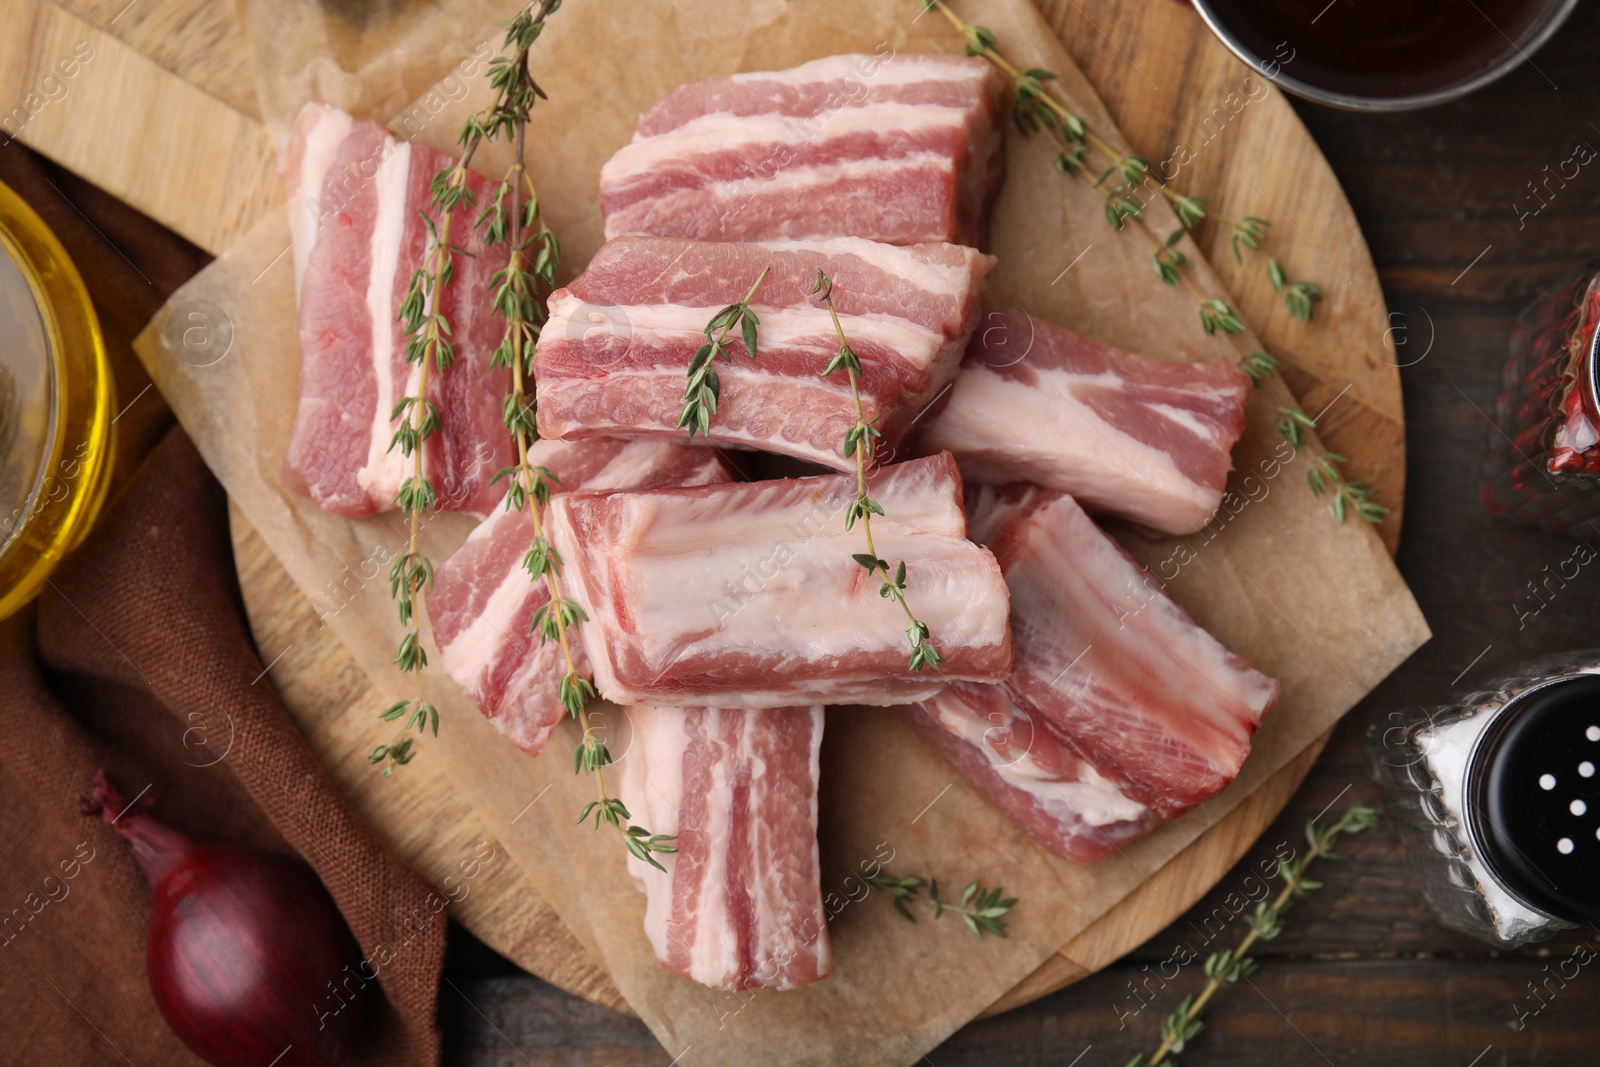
(1544, 456)
(1500, 800)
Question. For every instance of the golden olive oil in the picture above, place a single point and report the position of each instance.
(56, 405)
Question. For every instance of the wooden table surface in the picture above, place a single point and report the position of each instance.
(1363, 974)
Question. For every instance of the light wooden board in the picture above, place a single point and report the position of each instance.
(161, 116)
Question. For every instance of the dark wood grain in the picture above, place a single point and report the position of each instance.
(1363, 974)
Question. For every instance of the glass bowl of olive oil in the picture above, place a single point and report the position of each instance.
(56, 405)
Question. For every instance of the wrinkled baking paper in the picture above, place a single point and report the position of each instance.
(1317, 604)
(373, 58)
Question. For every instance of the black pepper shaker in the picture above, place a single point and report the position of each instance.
(1502, 795)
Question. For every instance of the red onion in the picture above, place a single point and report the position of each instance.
(244, 946)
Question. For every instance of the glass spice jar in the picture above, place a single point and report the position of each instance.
(1544, 456)
(1500, 800)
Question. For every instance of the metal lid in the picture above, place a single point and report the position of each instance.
(1533, 794)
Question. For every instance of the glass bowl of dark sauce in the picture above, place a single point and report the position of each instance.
(1384, 55)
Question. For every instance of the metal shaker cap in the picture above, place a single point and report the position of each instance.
(1533, 798)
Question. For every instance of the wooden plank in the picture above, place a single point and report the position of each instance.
(133, 127)
(1397, 1013)
(197, 40)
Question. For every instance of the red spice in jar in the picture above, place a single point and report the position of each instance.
(1544, 459)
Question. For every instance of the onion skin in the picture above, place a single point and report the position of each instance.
(245, 949)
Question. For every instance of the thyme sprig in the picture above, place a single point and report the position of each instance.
(428, 345)
(1215, 314)
(1258, 366)
(859, 444)
(982, 910)
(1125, 179)
(429, 348)
(1228, 967)
(1324, 475)
(512, 219)
(533, 254)
(1298, 297)
(704, 388)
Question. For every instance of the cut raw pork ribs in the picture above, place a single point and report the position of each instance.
(749, 596)
(1120, 709)
(902, 149)
(482, 600)
(1148, 440)
(739, 905)
(1107, 659)
(354, 195)
(612, 359)
(1029, 773)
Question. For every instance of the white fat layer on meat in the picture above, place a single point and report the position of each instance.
(476, 648)
(714, 955)
(1073, 569)
(795, 511)
(651, 784)
(779, 575)
(1093, 798)
(385, 469)
(781, 328)
(811, 400)
(792, 181)
(1051, 438)
(1185, 418)
(756, 136)
(578, 587)
(954, 279)
(762, 585)
(634, 463)
(655, 783)
(776, 937)
(870, 70)
(322, 141)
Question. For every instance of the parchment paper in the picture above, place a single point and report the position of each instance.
(1317, 604)
(372, 58)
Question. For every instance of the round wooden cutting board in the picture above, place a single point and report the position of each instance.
(1167, 82)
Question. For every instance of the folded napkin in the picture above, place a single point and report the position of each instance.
(137, 659)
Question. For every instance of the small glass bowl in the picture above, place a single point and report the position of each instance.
(56, 405)
(1543, 26)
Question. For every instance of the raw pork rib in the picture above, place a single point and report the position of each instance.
(354, 193)
(1140, 438)
(482, 600)
(1029, 773)
(611, 361)
(901, 149)
(740, 903)
(748, 596)
(1158, 711)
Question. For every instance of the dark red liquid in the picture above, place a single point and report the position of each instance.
(1379, 48)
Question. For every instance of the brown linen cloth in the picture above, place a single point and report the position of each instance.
(137, 659)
